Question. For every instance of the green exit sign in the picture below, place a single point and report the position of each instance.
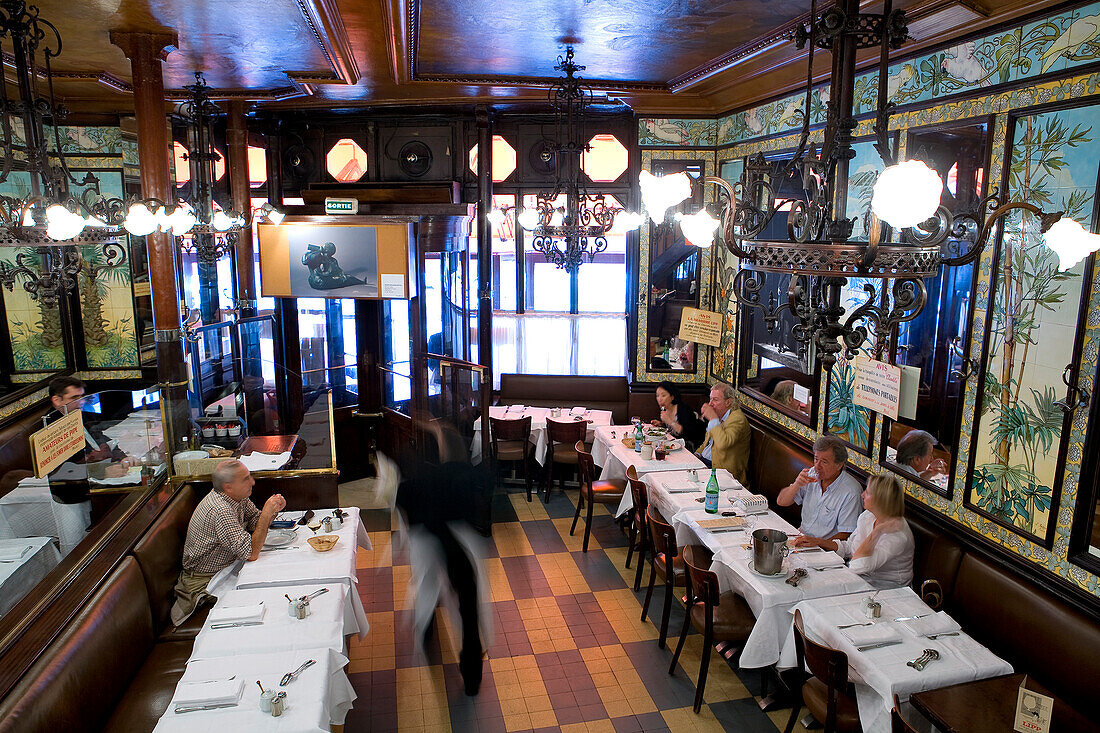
(341, 206)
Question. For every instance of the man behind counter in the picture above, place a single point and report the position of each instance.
(225, 527)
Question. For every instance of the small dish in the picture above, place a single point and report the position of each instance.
(324, 543)
(280, 537)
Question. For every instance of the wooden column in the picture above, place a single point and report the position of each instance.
(146, 52)
(485, 240)
(236, 136)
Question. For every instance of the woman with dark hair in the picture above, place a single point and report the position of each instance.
(680, 419)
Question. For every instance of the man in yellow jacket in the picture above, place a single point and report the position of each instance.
(727, 442)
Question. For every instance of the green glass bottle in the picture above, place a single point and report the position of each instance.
(711, 504)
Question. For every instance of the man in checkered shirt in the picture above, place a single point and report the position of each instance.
(225, 527)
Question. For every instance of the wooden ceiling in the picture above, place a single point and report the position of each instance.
(675, 57)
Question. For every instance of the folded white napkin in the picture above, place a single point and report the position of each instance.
(937, 623)
(810, 559)
(18, 552)
(515, 408)
(578, 411)
(213, 692)
(265, 461)
(253, 612)
(873, 634)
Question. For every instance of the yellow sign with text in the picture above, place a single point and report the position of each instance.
(702, 327)
(54, 444)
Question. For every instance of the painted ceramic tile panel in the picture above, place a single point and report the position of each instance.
(863, 171)
(90, 140)
(107, 312)
(654, 131)
(848, 420)
(1034, 319)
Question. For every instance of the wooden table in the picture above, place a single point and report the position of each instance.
(990, 705)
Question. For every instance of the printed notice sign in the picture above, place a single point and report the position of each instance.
(56, 442)
(877, 386)
(393, 286)
(1033, 712)
(702, 327)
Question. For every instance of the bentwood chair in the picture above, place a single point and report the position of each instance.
(898, 723)
(719, 617)
(639, 532)
(667, 563)
(510, 440)
(828, 695)
(561, 436)
(593, 491)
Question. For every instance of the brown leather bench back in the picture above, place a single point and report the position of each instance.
(773, 465)
(1030, 628)
(548, 390)
(15, 447)
(935, 557)
(160, 553)
(80, 678)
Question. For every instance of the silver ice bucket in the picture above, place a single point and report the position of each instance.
(769, 547)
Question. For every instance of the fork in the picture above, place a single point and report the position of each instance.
(946, 633)
(848, 626)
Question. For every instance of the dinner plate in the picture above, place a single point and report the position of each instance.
(781, 575)
(672, 445)
(280, 537)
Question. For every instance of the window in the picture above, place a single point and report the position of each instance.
(504, 159)
(346, 161)
(605, 160)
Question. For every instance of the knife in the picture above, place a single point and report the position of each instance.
(911, 618)
(727, 529)
(285, 547)
(880, 644)
(235, 624)
(212, 706)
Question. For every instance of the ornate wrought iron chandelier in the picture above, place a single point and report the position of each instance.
(46, 218)
(819, 255)
(566, 232)
(213, 230)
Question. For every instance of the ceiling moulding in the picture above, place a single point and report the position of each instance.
(323, 18)
(260, 95)
(393, 13)
(540, 82)
(102, 77)
(937, 18)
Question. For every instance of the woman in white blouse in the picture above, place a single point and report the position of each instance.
(881, 548)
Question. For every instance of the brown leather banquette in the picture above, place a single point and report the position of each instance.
(15, 447)
(1031, 627)
(115, 666)
(548, 390)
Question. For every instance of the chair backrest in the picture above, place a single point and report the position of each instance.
(503, 429)
(661, 533)
(565, 432)
(827, 664)
(585, 465)
(898, 723)
(704, 583)
(638, 492)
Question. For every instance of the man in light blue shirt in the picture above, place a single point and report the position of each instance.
(830, 498)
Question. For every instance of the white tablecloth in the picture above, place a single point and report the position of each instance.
(333, 617)
(614, 457)
(138, 433)
(18, 577)
(317, 699)
(770, 598)
(29, 510)
(538, 426)
(668, 490)
(881, 673)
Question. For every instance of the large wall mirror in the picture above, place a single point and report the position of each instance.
(673, 280)
(774, 367)
(924, 448)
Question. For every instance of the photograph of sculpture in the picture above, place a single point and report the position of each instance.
(334, 262)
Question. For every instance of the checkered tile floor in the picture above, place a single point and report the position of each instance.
(569, 652)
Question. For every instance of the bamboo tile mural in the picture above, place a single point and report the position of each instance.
(1032, 324)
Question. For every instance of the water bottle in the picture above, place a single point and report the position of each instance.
(639, 437)
(711, 504)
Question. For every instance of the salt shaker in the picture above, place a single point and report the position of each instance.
(335, 522)
(303, 607)
(872, 608)
(277, 704)
(326, 525)
(296, 608)
(266, 698)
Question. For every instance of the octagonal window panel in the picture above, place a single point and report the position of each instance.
(504, 159)
(182, 164)
(346, 161)
(257, 166)
(606, 159)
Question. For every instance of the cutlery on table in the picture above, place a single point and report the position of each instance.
(829, 567)
(285, 547)
(929, 655)
(683, 491)
(235, 624)
(808, 549)
(213, 706)
(879, 645)
(289, 676)
(912, 618)
(946, 633)
(203, 682)
(316, 593)
(21, 555)
(727, 529)
(862, 623)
